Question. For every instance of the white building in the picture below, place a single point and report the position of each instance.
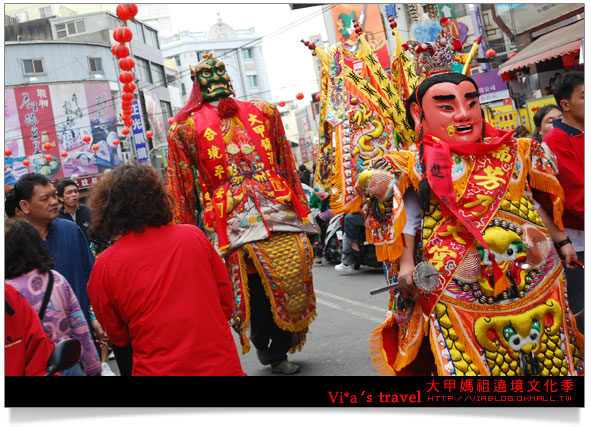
(240, 50)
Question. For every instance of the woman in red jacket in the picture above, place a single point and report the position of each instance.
(27, 346)
(160, 287)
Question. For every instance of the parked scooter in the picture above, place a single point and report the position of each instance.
(333, 245)
(65, 355)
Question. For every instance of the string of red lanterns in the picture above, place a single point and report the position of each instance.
(123, 35)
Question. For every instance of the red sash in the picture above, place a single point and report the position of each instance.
(471, 214)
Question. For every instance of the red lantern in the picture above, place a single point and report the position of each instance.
(317, 97)
(126, 11)
(48, 157)
(120, 50)
(122, 34)
(26, 162)
(149, 134)
(281, 103)
(128, 122)
(490, 53)
(129, 87)
(95, 147)
(115, 142)
(512, 54)
(47, 146)
(125, 131)
(86, 138)
(126, 96)
(170, 120)
(64, 154)
(8, 152)
(126, 77)
(300, 96)
(126, 63)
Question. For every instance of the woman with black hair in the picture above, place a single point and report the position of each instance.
(544, 120)
(29, 269)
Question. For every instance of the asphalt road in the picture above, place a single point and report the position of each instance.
(337, 343)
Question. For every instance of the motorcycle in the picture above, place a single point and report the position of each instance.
(333, 246)
(65, 355)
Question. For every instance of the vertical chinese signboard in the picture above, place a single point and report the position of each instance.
(139, 139)
(36, 119)
(370, 19)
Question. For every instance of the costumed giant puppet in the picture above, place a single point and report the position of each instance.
(479, 288)
(232, 157)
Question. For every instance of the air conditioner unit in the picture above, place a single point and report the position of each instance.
(127, 157)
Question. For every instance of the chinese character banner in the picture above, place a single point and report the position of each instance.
(37, 127)
(60, 115)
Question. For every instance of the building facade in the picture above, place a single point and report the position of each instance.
(65, 66)
(240, 50)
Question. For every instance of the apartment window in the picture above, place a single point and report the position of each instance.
(33, 66)
(158, 72)
(177, 60)
(183, 89)
(166, 109)
(151, 38)
(71, 28)
(136, 30)
(96, 65)
(252, 81)
(45, 12)
(498, 45)
(21, 16)
(143, 68)
(247, 53)
(486, 19)
(460, 9)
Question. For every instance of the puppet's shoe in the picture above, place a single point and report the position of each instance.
(286, 368)
(263, 355)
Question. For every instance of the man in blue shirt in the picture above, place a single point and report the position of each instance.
(37, 199)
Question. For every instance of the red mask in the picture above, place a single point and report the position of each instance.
(452, 112)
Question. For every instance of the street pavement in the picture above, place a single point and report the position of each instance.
(337, 343)
(338, 340)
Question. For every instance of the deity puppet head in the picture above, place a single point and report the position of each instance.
(446, 106)
(213, 79)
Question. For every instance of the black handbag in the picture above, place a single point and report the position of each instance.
(46, 296)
